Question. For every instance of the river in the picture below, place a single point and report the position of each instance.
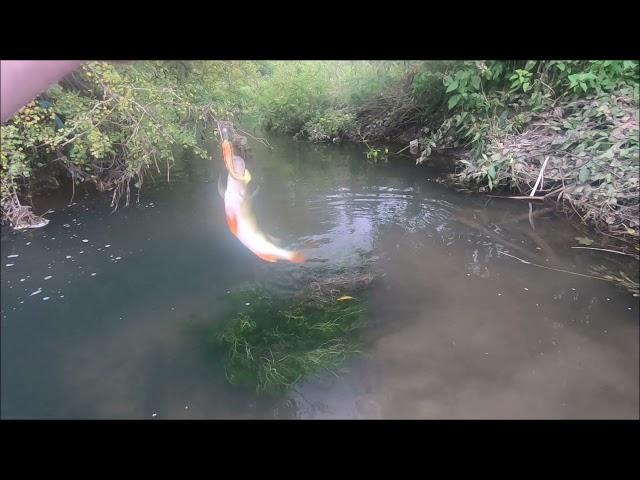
(101, 311)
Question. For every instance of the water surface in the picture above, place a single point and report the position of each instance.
(457, 330)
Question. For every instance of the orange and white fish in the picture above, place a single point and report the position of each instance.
(240, 219)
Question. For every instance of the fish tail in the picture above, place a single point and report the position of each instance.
(297, 257)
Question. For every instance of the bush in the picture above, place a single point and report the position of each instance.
(328, 125)
(320, 100)
(108, 125)
(290, 97)
(583, 115)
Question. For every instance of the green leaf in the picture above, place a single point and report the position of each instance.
(583, 176)
(453, 101)
(584, 241)
(452, 86)
(491, 172)
(525, 86)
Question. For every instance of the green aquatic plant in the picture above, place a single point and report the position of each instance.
(271, 343)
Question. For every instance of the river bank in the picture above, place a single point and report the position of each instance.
(565, 131)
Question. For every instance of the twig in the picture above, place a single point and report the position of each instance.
(86, 131)
(540, 176)
(552, 91)
(536, 213)
(219, 130)
(557, 190)
(612, 251)
(531, 217)
(400, 151)
(489, 233)
(73, 186)
(264, 141)
(518, 197)
(551, 268)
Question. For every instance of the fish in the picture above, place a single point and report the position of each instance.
(222, 189)
(240, 218)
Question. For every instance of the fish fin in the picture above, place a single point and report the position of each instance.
(297, 257)
(239, 166)
(232, 221)
(312, 243)
(271, 238)
(267, 257)
(255, 192)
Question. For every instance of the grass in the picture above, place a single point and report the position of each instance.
(270, 343)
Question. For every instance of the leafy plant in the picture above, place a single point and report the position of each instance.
(329, 125)
(377, 154)
(109, 125)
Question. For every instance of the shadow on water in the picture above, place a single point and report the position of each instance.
(103, 315)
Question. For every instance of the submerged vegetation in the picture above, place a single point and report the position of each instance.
(270, 343)
(564, 130)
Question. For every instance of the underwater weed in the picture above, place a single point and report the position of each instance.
(269, 344)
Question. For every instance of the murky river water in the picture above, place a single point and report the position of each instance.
(101, 311)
